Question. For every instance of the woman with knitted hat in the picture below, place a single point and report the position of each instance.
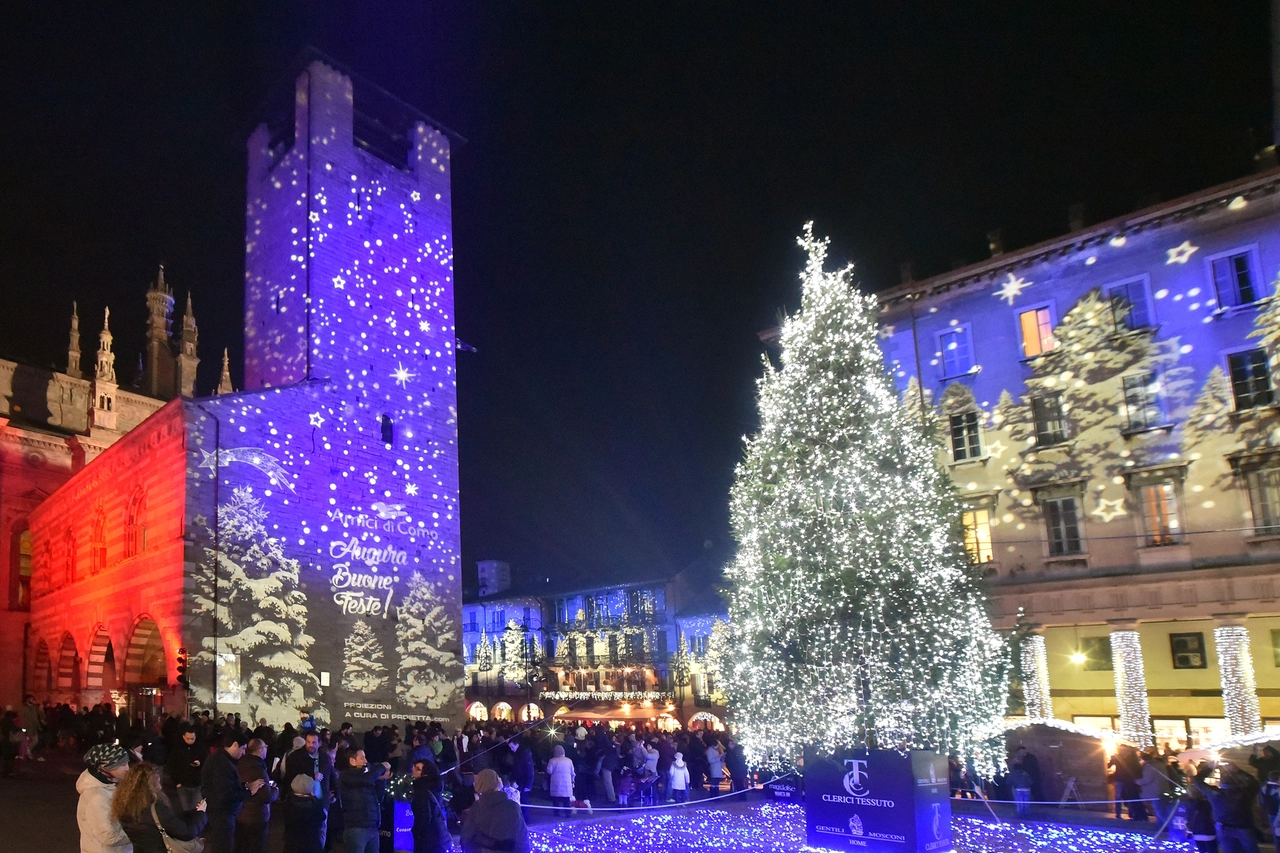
(494, 824)
(105, 764)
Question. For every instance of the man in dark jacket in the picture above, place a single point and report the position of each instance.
(360, 787)
(225, 794)
(1232, 804)
(183, 765)
(254, 817)
(735, 761)
(666, 755)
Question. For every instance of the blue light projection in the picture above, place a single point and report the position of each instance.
(779, 828)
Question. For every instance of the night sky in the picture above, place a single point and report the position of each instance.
(626, 205)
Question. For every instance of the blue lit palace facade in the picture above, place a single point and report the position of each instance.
(1109, 409)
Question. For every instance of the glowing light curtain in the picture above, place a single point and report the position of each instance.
(1239, 688)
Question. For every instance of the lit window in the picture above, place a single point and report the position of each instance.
(1235, 279)
(957, 351)
(21, 596)
(1062, 520)
(1250, 379)
(1160, 513)
(1130, 304)
(1264, 500)
(1037, 332)
(1051, 426)
(1143, 401)
(977, 535)
(966, 442)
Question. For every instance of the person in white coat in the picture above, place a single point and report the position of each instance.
(678, 776)
(560, 776)
(105, 764)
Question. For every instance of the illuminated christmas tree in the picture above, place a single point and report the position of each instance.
(857, 618)
(484, 653)
(430, 672)
(362, 667)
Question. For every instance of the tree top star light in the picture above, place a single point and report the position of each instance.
(858, 620)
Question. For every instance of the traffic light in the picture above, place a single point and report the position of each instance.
(182, 667)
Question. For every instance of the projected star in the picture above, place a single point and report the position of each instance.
(402, 375)
(316, 419)
(1012, 289)
(424, 326)
(415, 195)
(411, 490)
(315, 216)
(1181, 254)
(339, 282)
(1108, 510)
(996, 449)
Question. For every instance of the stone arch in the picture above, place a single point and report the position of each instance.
(477, 711)
(144, 660)
(503, 712)
(101, 671)
(40, 680)
(68, 665)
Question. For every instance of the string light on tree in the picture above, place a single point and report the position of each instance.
(857, 618)
(1239, 687)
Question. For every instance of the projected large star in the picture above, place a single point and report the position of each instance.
(1012, 288)
(1181, 254)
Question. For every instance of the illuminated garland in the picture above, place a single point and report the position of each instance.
(1239, 689)
(1035, 678)
(606, 696)
(1131, 688)
(857, 618)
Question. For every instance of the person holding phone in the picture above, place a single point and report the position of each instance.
(360, 787)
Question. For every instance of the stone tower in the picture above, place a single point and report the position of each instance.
(158, 363)
(104, 381)
(187, 360)
(73, 347)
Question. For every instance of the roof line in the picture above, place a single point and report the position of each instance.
(1263, 183)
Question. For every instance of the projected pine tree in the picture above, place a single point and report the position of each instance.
(429, 673)
(251, 587)
(362, 667)
(857, 618)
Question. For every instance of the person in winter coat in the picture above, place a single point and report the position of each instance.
(606, 765)
(678, 779)
(1232, 804)
(650, 759)
(430, 826)
(183, 764)
(225, 794)
(147, 817)
(360, 787)
(1200, 824)
(494, 824)
(105, 765)
(1153, 784)
(666, 755)
(254, 818)
(715, 766)
(304, 816)
(560, 776)
(735, 761)
(522, 770)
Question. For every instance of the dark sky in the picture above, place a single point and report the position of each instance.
(626, 205)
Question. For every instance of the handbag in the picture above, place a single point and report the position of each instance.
(175, 845)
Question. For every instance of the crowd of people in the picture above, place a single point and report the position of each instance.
(158, 786)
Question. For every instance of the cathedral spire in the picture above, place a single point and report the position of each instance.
(224, 384)
(187, 359)
(157, 378)
(73, 347)
(106, 358)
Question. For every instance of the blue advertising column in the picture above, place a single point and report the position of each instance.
(880, 801)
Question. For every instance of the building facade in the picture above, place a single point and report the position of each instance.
(52, 424)
(636, 651)
(292, 548)
(1108, 406)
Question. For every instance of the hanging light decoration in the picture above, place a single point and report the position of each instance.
(1035, 678)
(1239, 687)
(1131, 688)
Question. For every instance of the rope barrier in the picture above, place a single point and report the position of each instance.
(613, 809)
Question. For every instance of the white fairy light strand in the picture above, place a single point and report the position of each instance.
(1035, 678)
(1131, 688)
(1239, 687)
